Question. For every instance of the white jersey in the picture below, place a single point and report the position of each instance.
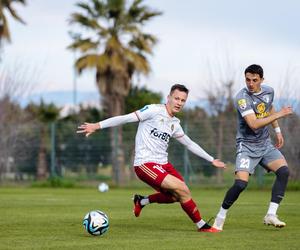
(155, 129)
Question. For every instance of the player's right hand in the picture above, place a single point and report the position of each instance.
(285, 111)
(88, 128)
(218, 163)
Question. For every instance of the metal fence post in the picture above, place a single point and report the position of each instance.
(52, 167)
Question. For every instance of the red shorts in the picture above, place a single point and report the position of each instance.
(153, 173)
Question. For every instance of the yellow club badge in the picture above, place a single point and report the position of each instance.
(261, 107)
(242, 103)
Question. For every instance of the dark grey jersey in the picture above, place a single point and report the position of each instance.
(258, 103)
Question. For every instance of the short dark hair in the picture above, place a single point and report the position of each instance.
(255, 69)
(180, 87)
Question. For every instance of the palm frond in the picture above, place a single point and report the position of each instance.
(89, 10)
(78, 18)
(4, 28)
(114, 46)
(84, 45)
(138, 61)
(134, 10)
(99, 8)
(89, 61)
(115, 9)
(150, 38)
(143, 43)
(4, 31)
(138, 13)
(131, 29)
(14, 14)
(118, 63)
(146, 16)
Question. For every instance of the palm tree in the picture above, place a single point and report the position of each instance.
(45, 114)
(115, 45)
(4, 29)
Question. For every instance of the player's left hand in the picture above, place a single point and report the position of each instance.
(88, 128)
(279, 140)
(218, 163)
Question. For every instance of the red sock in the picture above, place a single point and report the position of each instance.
(160, 198)
(192, 211)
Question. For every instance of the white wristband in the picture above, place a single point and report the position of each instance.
(277, 130)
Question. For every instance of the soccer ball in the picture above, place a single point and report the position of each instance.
(96, 222)
(103, 187)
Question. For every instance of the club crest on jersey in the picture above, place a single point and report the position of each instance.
(261, 108)
(242, 103)
(266, 98)
(172, 127)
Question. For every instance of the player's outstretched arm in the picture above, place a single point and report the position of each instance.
(255, 123)
(89, 128)
(197, 150)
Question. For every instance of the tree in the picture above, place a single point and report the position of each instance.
(287, 94)
(4, 28)
(117, 48)
(15, 83)
(45, 114)
(197, 125)
(74, 153)
(220, 97)
(10, 113)
(138, 97)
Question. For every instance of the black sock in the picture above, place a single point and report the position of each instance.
(278, 189)
(233, 193)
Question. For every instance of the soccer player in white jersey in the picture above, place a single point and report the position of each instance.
(157, 124)
(255, 111)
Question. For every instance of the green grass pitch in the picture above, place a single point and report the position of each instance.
(42, 218)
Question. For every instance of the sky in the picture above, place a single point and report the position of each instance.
(200, 42)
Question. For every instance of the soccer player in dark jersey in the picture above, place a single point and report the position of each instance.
(255, 111)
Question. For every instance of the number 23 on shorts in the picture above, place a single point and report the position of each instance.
(244, 163)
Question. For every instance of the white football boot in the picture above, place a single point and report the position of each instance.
(271, 219)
